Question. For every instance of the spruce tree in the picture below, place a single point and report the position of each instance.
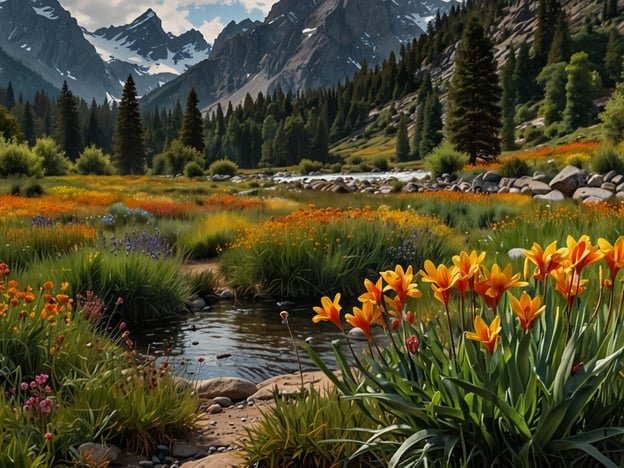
(553, 80)
(431, 134)
(28, 124)
(192, 131)
(561, 44)
(93, 133)
(547, 13)
(508, 101)
(402, 149)
(67, 128)
(474, 111)
(613, 59)
(128, 146)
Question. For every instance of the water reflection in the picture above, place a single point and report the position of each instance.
(237, 340)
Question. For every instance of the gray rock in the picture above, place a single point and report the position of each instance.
(232, 387)
(553, 195)
(184, 450)
(568, 180)
(491, 176)
(357, 333)
(595, 193)
(214, 409)
(222, 401)
(595, 180)
(537, 187)
(516, 252)
(610, 186)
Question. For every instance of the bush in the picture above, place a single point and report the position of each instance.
(93, 161)
(193, 169)
(174, 159)
(55, 163)
(306, 166)
(380, 163)
(534, 135)
(16, 159)
(607, 158)
(223, 167)
(514, 167)
(445, 159)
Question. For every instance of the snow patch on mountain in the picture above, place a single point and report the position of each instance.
(119, 49)
(46, 12)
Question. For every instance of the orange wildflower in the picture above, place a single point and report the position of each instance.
(48, 285)
(330, 310)
(365, 318)
(495, 283)
(582, 253)
(442, 279)
(4, 269)
(568, 284)
(401, 282)
(613, 255)
(527, 309)
(374, 292)
(545, 260)
(468, 265)
(486, 335)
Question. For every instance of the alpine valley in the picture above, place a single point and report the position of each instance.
(300, 44)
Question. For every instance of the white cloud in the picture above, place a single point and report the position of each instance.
(178, 16)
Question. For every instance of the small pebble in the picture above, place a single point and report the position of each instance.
(146, 464)
(243, 419)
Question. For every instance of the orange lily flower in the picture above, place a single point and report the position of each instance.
(468, 265)
(330, 310)
(546, 260)
(442, 279)
(613, 255)
(527, 309)
(495, 283)
(582, 253)
(568, 284)
(402, 282)
(365, 318)
(374, 292)
(486, 335)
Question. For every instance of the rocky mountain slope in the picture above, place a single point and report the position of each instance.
(301, 44)
(45, 38)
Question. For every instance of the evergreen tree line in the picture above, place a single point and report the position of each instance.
(561, 72)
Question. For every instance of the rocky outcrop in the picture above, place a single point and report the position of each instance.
(570, 182)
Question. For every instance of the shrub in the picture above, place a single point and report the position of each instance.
(514, 167)
(534, 135)
(32, 188)
(174, 159)
(92, 161)
(607, 158)
(16, 159)
(306, 166)
(193, 169)
(55, 163)
(223, 167)
(309, 429)
(380, 163)
(445, 159)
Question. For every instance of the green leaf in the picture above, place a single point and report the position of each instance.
(508, 412)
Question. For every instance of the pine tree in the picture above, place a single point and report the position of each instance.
(269, 129)
(93, 133)
(474, 112)
(67, 128)
(553, 80)
(192, 131)
(561, 44)
(28, 124)
(128, 147)
(402, 149)
(613, 59)
(524, 75)
(547, 13)
(508, 101)
(431, 135)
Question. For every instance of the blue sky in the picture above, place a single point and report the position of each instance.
(208, 16)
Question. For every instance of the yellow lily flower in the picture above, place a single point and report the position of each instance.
(495, 283)
(486, 335)
(613, 255)
(546, 260)
(330, 310)
(442, 279)
(401, 282)
(365, 318)
(527, 309)
(468, 265)
(582, 253)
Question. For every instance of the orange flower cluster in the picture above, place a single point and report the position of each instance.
(232, 202)
(50, 205)
(564, 265)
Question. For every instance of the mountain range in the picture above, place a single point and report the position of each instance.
(300, 44)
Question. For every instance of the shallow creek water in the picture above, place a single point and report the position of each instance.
(237, 340)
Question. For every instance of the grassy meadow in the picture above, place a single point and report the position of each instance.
(489, 358)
